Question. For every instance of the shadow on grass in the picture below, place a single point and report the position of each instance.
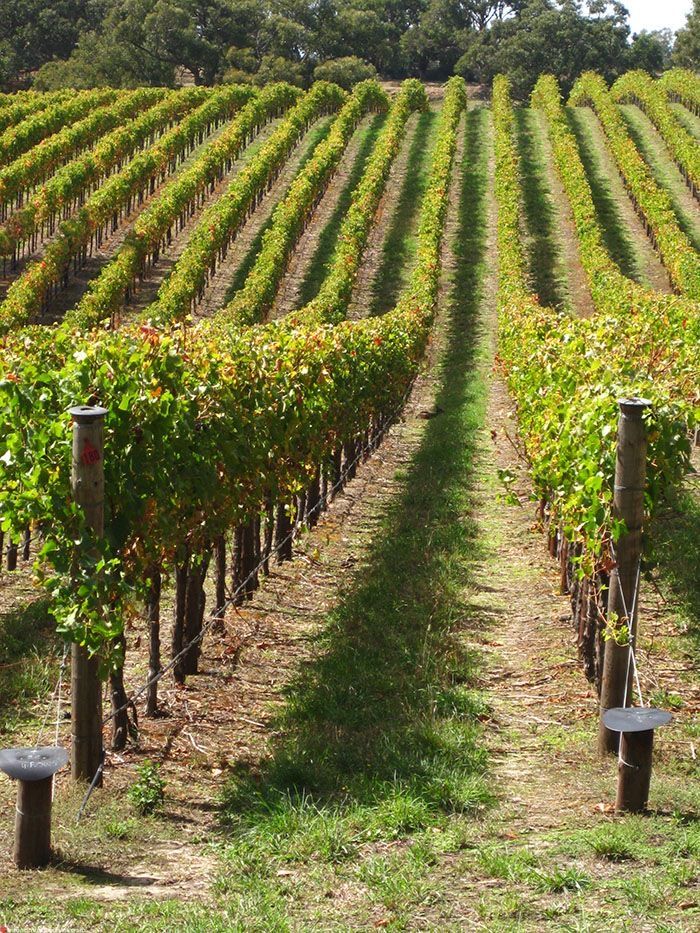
(315, 138)
(380, 732)
(539, 212)
(318, 267)
(400, 242)
(652, 148)
(27, 661)
(615, 233)
(677, 555)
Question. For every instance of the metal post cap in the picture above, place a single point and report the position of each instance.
(635, 718)
(633, 405)
(84, 414)
(32, 764)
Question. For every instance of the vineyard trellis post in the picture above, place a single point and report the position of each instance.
(623, 605)
(87, 482)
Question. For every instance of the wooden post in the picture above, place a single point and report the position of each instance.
(628, 505)
(33, 823)
(283, 534)
(634, 771)
(87, 480)
(33, 769)
(11, 554)
(220, 597)
(153, 618)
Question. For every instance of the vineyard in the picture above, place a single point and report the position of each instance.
(314, 546)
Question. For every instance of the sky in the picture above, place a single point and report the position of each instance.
(657, 14)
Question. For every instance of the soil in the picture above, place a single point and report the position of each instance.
(652, 271)
(370, 265)
(578, 287)
(287, 298)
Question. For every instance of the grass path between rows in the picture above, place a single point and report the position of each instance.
(623, 233)
(556, 271)
(689, 120)
(664, 170)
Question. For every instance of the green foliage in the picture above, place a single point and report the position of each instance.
(25, 296)
(147, 793)
(616, 843)
(21, 136)
(682, 85)
(253, 300)
(330, 304)
(99, 60)
(637, 343)
(107, 294)
(201, 425)
(40, 163)
(552, 38)
(130, 42)
(73, 180)
(220, 222)
(686, 51)
(638, 87)
(346, 71)
(651, 50)
(679, 256)
(33, 32)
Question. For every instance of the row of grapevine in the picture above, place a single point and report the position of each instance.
(76, 237)
(683, 86)
(293, 213)
(72, 183)
(22, 136)
(109, 292)
(219, 224)
(566, 374)
(24, 106)
(638, 87)
(612, 292)
(330, 305)
(33, 168)
(248, 305)
(206, 431)
(651, 201)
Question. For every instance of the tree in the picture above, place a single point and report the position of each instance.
(35, 31)
(147, 41)
(651, 51)
(98, 61)
(548, 37)
(445, 30)
(686, 52)
(346, 71)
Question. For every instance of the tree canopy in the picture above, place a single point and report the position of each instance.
(687, 49)
(84, 43)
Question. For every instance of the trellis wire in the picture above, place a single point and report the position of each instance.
(232, 597)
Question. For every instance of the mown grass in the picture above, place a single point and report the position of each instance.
(310, 142)
(399, 248)
(379, 739)
(676, 553)
(545, 263)
(689, 120)
(318, 267)
(27, 662)
(653, 150)
(616, 234)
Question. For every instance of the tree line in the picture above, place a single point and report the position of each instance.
(50, 44)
